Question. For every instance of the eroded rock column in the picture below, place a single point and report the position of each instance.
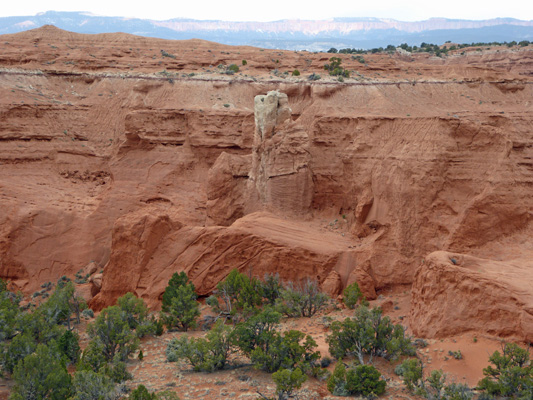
(280, 174)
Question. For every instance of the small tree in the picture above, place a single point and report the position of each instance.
(287, 382)
(511, 375)
(206, 355)
(369, 333)
(412, 373)
(337, 381)
(136, 314)
(334, 67)
(116, 371)
(304, 299)
(362, 380)
(56, 309)
(41, 328)
(21, 346)
(41, 376)
(258, 331)
(175, 282)
(238, 295)
(292, 349)
(141, 393)
(434, 387)
(272, 288)
(352, 295)
(365, 380)
(92, 358)
(9, 310)
(459, 391)
(90, 385)
(77, 304)
(68, 344)
(436, 382)
(112, 330)
(183, 309)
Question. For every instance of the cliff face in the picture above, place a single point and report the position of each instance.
(146, 174)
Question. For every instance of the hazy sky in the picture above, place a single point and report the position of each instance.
(271, 10)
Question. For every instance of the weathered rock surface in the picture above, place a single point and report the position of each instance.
(455, 293)
(146, 163)
(260, 242)
(280, 159)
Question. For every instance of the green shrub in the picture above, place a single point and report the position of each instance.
(68, 345)
(244, 62)
(135, 313)
(436, 382)
(9, 310)
(336, 383)
(511, 375)
(87, 314)
(287, 382)
(41, 375)
(90, 385)
(117, 371)
(176, 281)
(92, 358)
(335, 69)
(352, 295)
(206, 355)
(434, 387)
(295, 73)
(292, 349)
(456, 354)
(271, 288)
(365, 380)
(412, 373)
(325, 362)
(238, 296)
(12, 353)
(459, 391)
(57, 309)
(183, 310)
(165, 54)
(362, 380)
(112, 330)
(259, 331)
(158, 326)
(167, 395)
(369, 333)
(234, 68)
(302, 300)
(141, 393)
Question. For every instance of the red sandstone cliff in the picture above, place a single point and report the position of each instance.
(114, 153)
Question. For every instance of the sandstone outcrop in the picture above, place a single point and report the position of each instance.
(455, 293)
(146, 164)
(259, 242)
(280, 159)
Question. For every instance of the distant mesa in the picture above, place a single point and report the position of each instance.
(364, 33)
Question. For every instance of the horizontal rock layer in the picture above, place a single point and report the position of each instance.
(145, 173)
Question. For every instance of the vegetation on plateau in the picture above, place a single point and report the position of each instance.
(38, 343)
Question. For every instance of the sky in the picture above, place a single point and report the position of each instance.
(272, 10)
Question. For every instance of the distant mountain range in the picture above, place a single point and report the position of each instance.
(364, 33)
